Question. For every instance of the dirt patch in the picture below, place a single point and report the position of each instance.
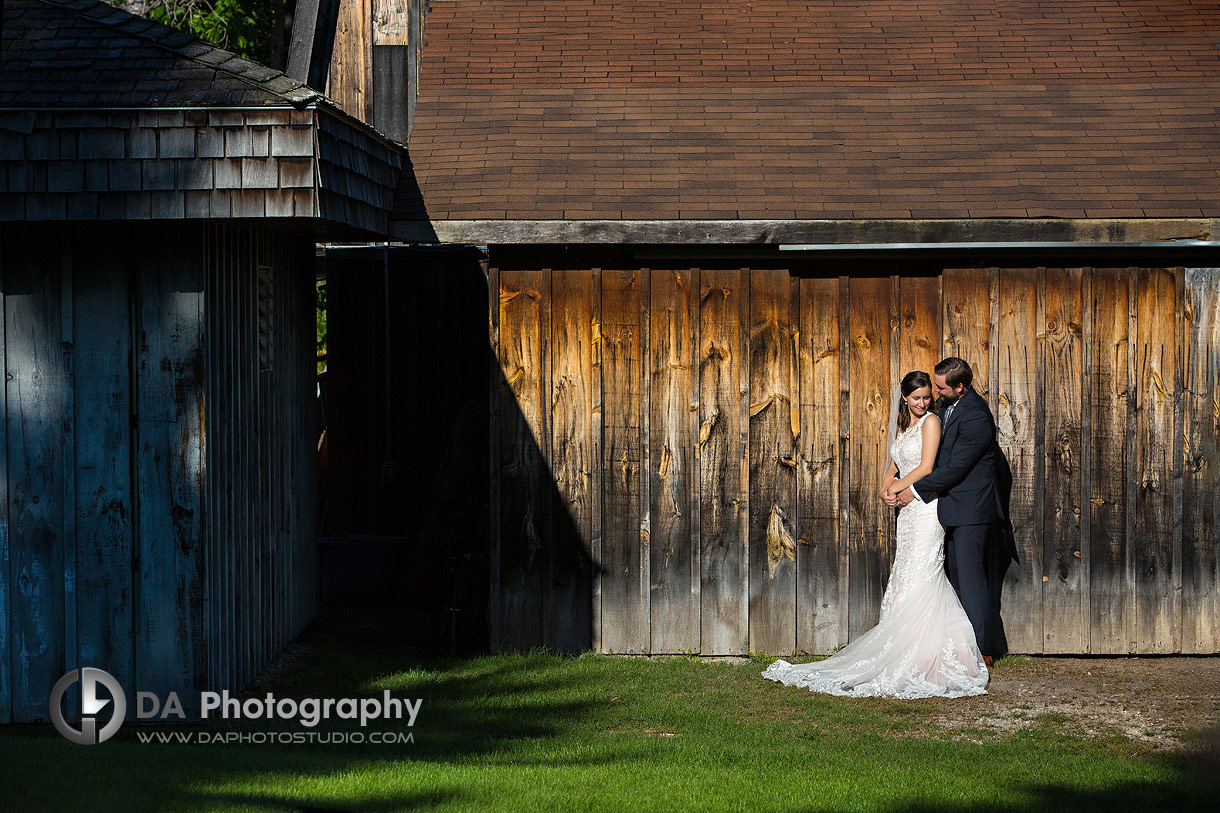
(1165, 702)
(1162, 703)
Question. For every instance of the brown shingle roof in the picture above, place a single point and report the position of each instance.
(764, 109)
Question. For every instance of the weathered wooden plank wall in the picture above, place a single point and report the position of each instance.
(260, 560)
(374, 66)
(773, 539)
(35, 439)
(160, 484)
(398, 360)
(1200, 609)
(721, 511)
(674, 562)
(1017, 424)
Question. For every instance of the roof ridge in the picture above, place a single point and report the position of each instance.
(193, 48)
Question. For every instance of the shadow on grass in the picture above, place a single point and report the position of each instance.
(407, 801)
(484, 717)
(475, 711)
(1195, 785)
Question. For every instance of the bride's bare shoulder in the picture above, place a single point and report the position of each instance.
(931, 421)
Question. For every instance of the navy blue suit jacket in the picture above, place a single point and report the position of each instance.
(964, 479)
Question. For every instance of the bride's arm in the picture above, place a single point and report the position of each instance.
(930, 434)
(891, 472)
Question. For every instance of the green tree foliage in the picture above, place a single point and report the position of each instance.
(254, 29)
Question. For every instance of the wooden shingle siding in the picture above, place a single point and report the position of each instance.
(1093, 466)
(278, 162)
(159, 487)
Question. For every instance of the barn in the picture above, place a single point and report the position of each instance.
(717, 233)
(704, 240)
(160, 203)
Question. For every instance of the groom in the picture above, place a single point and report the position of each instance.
(964, 484)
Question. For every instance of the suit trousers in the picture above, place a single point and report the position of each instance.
(966, 558)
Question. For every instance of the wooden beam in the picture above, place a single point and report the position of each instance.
(313, 38)
(810, 232)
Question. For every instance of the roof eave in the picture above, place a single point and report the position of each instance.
(825, 234)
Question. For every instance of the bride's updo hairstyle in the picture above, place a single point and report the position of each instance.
(910, 382)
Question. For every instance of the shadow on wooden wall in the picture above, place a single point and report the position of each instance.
(405, 531)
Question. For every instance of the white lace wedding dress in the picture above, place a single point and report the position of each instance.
(923, 646)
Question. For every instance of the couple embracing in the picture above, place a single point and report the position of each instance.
(933, 638)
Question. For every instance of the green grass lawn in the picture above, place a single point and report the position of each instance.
(541, 731)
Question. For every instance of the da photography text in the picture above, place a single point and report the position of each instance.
(103, 706)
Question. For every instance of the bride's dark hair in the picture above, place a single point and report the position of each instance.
(910, 382)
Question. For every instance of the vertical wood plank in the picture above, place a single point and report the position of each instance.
(307, 567)
(624, 625)
(870, 406)
(168, 402)
(34, 468)
(1201, 485)
(263, 428)
(252, 437)
(524, 480)
(645, 418)
(349, 78)
(1176, 444)
(1106, 345)
(845, 457)
(819, 566)
(1155, 395)
(673, 608)
(68, 410)
(743, 412)
(103, 464)
(1017, 329)
(721, 502)
(895, 376)
(1061, 372)
(6, 664)
(772, 467)
(1086, 452)
(570, 578)
(211, 579)
(967, 321)
(231, 540)
(545, 483)
(496, 496)
(691, 455)
(597, 430)
(920, 315)
(794, 338)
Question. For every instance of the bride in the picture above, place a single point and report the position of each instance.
(924, 645)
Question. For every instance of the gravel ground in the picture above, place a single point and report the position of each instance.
(1165, 702)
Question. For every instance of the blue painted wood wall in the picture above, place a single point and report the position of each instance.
(157, 455)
